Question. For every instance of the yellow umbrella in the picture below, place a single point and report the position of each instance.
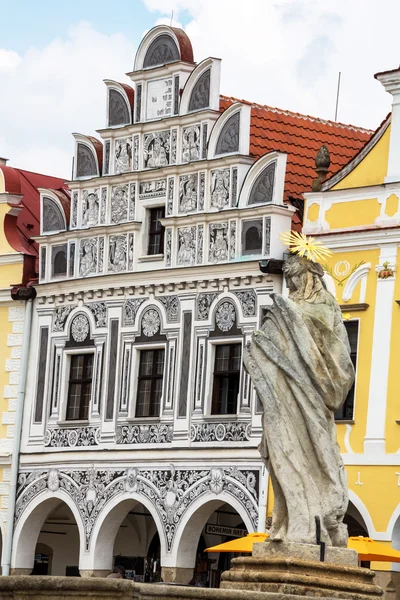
(244, 544)
(370, 550)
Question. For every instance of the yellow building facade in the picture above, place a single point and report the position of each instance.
(356, 214)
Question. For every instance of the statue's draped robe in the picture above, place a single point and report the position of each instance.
(300, 366)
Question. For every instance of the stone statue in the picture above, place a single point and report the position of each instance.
(300, 365)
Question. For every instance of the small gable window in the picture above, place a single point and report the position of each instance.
(200, 97)
(263, 187)
(53, 218)
(161, 51)
(59, 260)
(228, 140)
(118, 113)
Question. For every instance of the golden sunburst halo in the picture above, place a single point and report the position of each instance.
(302, 245)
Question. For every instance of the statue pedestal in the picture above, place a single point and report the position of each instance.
(295, 569)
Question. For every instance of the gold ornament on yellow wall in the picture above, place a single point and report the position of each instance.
(308, 247)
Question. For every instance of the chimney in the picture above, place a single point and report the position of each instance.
(3, 161)
(391, 82)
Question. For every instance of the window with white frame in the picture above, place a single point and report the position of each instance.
(256, 237)
(226, 378)
(346, 412)
(150, 382)
(156, 230)
(79, 386)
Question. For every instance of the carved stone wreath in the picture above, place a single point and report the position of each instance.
(225, 316)
(80, 328)
(151, 322)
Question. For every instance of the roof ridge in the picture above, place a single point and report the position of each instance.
(22, 171)
(299, 115)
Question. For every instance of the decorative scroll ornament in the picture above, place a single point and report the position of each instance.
(53, 482)
(247, 300)
(80, 328)
(157, 433)
(151, 322)
(302, 245)
(99, 311)
(130, 310)
(220, 432)
(60, 316)
(204, 301)
(225, 316)
(71, 438)
(171, 304)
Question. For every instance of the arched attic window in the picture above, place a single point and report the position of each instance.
(263, 187)
(200, 96)
(85, 161)
(228, 140)
(53, 218)
(162, 50)
(118, 112)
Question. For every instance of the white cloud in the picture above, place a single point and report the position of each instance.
(288, 53)
(8, 59)
(49, 93)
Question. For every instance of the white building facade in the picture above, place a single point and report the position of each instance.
(141, 427)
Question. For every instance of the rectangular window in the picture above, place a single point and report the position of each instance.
(156, 231)
(79, 387)
(228, 358)
(150, 382)
(346, 412)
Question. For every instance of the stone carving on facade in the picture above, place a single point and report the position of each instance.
(123, 155)
(101, 254)
(138, 101)
(70, 438)
(135, 152)
(107, 157)
(119, 203)
(131, 308)
(263, 187)
(151, 322)
(168, 246)
(170, 201)
(202, 189)
(131, 250)
(117, 253)
(303, 340)
(85, 161)
(188, 192)
(191, 143)
(200, 243)
(80, 328)
(132, 201)
(232, 241)
(74, 210)
(225, 316)
(267, 236)
(156, 149)
(220, 180)
(204, 301)
(53, 218)
(186, 246)
(153, 189)
(234, 431)
(200, 97)
(43, 254)
(60, 317)
(218, 251)
(234, 187)
(171, 491)
(53, 481)
(99, 311)
(228, 140)
(156, 433)
(72, 259)
(171, 304)
(174, 139)
(103, 205)
(90, 207)
(247, 299)
(88, 257)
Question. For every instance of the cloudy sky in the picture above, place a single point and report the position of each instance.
(285, 53)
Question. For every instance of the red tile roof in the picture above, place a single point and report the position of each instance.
(300, 137)
(20, 229)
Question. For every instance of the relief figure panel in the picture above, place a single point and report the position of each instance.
(123, 155)
(186, 246)
(191, 143)
(218, 250)
(188, 187)
(220, 183)
(117, 253)
(90, 207)
(88, 257)
(119, 203)
(156, 151)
